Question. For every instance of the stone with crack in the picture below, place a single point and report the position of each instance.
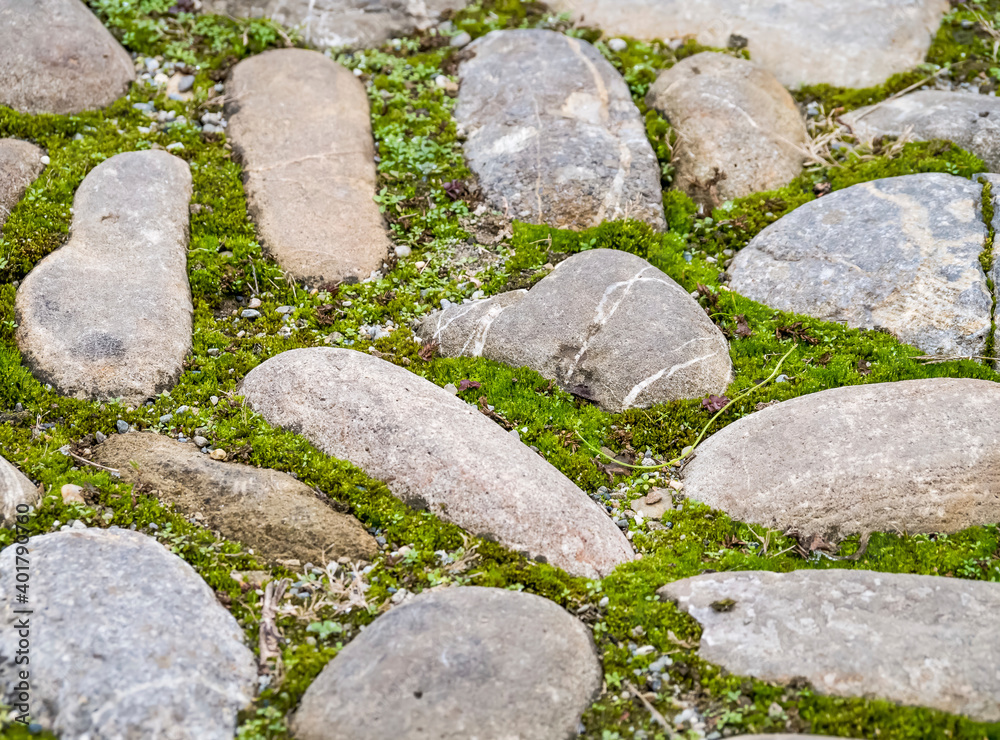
(901, 253)
(605, 324)
(553, 134)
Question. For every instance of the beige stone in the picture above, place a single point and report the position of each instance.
(15, 490)
(739, 131)
(272, 512)
(300, 124)
(20, 164)
(911, 456)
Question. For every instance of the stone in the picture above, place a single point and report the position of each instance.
(338, 23)
(970, 120)
(454, 664)
(849, 43)
(605, 325)
(299, 122)
(20, 164)
(272, 512)
(917, 640)
(900, 253)
(109, 314)
(553, 134)
(911, 456)
(57, 57)
(148, 644)
(739, 131)
(15, 490)
(435, 452)
(653, 506)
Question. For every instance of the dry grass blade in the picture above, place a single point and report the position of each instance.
(346, 587)
(270, 637)
(657, 717)
(936, 360)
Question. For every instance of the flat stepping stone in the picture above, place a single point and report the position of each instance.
(851, 43)
(900, 253)
(739, 131)
(15, 490)
(20, 164)
(972, 121)
(919, 640)
(57, 57)
(606, 325)
(912, 456)
(300, 123)
(553, 133)
(108, 314)
(436, 452)
(337, 23)
(278, 516)
(126, 640)
(454, 664)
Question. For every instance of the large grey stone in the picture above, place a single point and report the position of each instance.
(456, 664)
(278, 516)
(335, 23)
(605, 325)
(972, 121)
(15, 490)
(126, 641)
(108, 314)
(553, 133)
(20, 164)
(56, 57)
(739, 131)
(912, 456)
(851, 43)
(300, 123)
(435, 452)
(919, 640)
(901, 253)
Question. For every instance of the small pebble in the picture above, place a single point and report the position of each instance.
(285, 309)
(45, 159)
(72, 494)
(654, 497)
(249, 313)
(451, 389)
(185, 83)
(100, 437)
(121, 426)
(254, 303)
(402, 251)
(218, 454)
(617, 45)
(461, 39)
(200, 441)
(166, 418)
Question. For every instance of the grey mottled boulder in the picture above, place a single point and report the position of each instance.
(739, 131)
(20, 164)
(300, 123)
(553, 133)
(334, 23)
(108, 314)
(56, 57)
(994, 182)
(851, 43)
(912, 456)
(972, 121)
(15, 490)
(272, 512)
(901, 253)
(126, 641)
(918, 640)
(436, 452)
(605, 325)
(454, 664)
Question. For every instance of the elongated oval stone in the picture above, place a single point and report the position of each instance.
(15, 490)
(436, 452)
(300, 123)
(20, 164)
(108, 314)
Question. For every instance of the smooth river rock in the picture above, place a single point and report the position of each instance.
(739, 131)
(455, 664)
(57, 57)
(126, 641)
(436, 452)
(553, 133)
(850, 43)
(920, 640)
(15, 490)
(278, 516)
(970, 120)
(901, 253)
(299, 122)
(911, 456)
(606, 325)
(108, 314)
(335, 23)
(20, 164)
